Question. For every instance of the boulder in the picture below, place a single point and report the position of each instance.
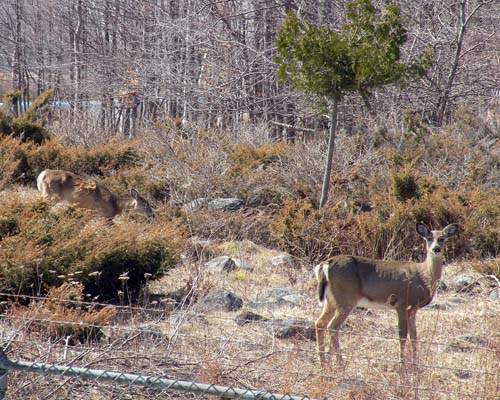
(225, 204)
(195, 204)
(219, 300)
(248, 317)
(284, 260)
(277, 297)
(221, 264)
(292, 328)
(465, 283)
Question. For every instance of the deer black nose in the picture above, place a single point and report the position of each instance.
(436, 249)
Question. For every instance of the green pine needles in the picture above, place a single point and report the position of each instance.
(362, 55)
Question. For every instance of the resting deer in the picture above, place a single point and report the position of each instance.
(345, 282)
(76, 190)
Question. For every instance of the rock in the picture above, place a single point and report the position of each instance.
(283, 259)
(248, 317)
(437, 306)
(443, 287)
(443, 305)
(363, 206)
(243, 264)
(225, 204)
(277, 297)
(195, 204)
(219, 300)
(292, 328)
(221, 264)
(465, 283)
(494, 294)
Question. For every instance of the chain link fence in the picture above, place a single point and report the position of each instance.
(133, 379)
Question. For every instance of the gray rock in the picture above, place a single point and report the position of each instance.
(221, 264)
(444, 305)
(292, 328)
(242, 264)
(465, 283)
(443, 287)
(225, 204)
(248, 317)
(219, 300)
(195, 204)
(494, 294)
(277, 297)
(283, 259)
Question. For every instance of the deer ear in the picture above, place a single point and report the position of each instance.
(423, 230)
(135, 194)
(451, 230)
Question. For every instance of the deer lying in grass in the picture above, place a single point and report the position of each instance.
(345, 282)
(76, 190)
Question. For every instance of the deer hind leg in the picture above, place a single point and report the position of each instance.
(341, 315)
(321, 326)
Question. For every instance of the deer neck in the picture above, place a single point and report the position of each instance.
(433, 269)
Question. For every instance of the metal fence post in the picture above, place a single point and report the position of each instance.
(3, 375)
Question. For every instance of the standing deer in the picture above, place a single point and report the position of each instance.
(345, 282)
(75, 190)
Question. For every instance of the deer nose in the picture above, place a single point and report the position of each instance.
(436, 249)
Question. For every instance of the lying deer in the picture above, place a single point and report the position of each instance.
(76, 190)
(345, 282)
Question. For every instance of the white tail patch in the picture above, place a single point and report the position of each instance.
(39, 181)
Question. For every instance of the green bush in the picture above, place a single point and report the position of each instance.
(28, 160)
(405, 186)
(30, 126)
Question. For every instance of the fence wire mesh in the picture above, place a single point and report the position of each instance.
(198, 347)
(133, 379)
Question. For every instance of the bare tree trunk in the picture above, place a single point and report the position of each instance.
(329, 159)
(463, 22)
(17, 75)
(76, 53)
(445, 95)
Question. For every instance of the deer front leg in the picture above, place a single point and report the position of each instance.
(403, 333)
(412, 325)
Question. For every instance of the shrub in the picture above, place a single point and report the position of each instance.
(234, 225)
(29, 126)
(247, 158)
(388, 231)
(25, 161)
(303, 231)
(405, 186)
(52, 246)
(63, 314)
(8, 227)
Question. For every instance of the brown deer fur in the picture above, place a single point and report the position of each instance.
(76, 190)
(347, 281)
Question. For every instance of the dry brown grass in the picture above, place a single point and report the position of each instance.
(454, 182)
(459, 343)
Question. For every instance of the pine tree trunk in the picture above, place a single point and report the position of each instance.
(331, 147)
